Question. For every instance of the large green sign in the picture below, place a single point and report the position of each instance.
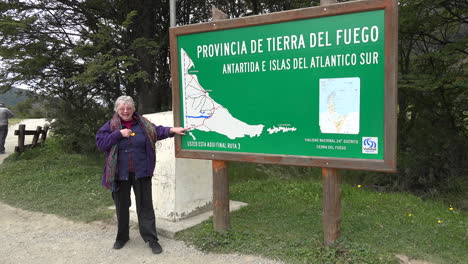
(312, 87)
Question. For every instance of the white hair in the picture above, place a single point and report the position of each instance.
(124, 99)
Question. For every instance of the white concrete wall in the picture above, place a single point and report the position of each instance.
(180, 186)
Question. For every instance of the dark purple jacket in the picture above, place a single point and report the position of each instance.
(143, 155)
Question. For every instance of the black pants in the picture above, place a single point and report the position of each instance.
(144, 204)
(3, 135)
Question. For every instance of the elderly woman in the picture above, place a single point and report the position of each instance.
(129, 142)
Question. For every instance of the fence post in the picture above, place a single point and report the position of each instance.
(44, 134)
(38, 133)
(21, 133)
(36, 136)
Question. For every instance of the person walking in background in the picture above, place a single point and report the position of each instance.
(5, 114)
(129, 142)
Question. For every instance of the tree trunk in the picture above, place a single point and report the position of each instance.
(144, 26)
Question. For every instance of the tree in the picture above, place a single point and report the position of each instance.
(38, 36)
(433, 100)
(86, 54)
(193, 11)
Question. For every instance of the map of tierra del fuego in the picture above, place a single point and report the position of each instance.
(203, 113)
(338, 114)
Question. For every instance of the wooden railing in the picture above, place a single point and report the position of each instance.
(38, 133)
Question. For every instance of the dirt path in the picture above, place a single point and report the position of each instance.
(31, 237)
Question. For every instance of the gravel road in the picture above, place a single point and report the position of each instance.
(33, 238)
(30, 237)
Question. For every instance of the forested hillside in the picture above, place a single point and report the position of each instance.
(13, 97)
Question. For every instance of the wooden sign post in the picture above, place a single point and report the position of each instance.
(220, 175)
(331, 215)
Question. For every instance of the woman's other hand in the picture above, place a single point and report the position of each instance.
(178, 130)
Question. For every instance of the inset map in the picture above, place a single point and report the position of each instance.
(339, 104)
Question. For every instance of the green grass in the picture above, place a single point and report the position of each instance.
(47, 180)
(282, 219)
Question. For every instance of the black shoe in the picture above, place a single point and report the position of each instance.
(119, 244)
(155, 247)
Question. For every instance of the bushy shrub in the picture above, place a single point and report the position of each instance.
(32, 107)
(76, 124)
